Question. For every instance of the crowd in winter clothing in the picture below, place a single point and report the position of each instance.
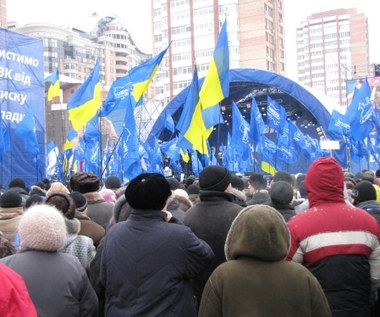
(214, 245)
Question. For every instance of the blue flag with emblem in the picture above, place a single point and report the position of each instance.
(359, 113)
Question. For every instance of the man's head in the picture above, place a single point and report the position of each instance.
(257, 182)
(281, 193)
(363, 191)
(148, 191)
(282, 176)
(63, 202)
(237, 182)
(17, 182)
(112, 182)
(84, 183)
(10, 199)
(214, 178)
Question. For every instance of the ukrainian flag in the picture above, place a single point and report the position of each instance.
(54, 89)
(133, 85)
(86, 100)
(190, 124)
(140, 76)
(268, 168)
(216, 84)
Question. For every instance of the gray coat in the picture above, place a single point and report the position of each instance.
(57, 283)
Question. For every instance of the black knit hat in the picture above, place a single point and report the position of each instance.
(84, 182)
(63, 202)
(173, 182)
(214, 178)
(237, 182)
(79, 200)
(112, 182)
(281, 193)
(363, 191)
(10, 199)
(17, 182)
(148, 191)
(33, 199)
(193, 189)
(282, 176)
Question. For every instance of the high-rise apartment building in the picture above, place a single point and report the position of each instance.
(255, 33)
(333, 47)
(3, 13)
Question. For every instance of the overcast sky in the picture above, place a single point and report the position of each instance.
(136, 15)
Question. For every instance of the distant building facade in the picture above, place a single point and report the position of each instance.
(74, 51)
(255, 33)
(3, 14)
(333, 47)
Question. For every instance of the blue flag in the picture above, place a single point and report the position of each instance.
(72, 134)
(267, 150)
(169, 122)
(338, 125)
(26, 130)
(4, 139)
(129, 146)
(358, 151)
(171, 149)
(239, 134)
(297, 136)
(276, 115)
(196, 163)
(51, 159)
(92, 147)
(257, 125)
(155, 156)
(286, 151)
(359, 113)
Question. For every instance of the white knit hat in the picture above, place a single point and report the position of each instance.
(42, 227)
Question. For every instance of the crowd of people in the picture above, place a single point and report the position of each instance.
(215, 245)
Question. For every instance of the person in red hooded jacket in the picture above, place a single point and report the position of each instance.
(337, 242)
(14, 296)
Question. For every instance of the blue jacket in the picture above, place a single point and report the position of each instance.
(147, 265)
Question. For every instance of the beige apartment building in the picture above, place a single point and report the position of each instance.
(333, 47)
(255, 32)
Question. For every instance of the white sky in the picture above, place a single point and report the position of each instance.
(136, 15)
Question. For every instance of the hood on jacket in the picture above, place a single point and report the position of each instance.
(258, 231)
(324, 181)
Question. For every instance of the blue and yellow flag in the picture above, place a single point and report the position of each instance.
(133, 85)
(54, 89)
(191, 126)
(86, 100)
(216, 85)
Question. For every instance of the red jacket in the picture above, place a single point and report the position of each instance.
(337, 242)
(14, 297)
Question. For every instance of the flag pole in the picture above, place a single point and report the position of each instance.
(100, 140)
